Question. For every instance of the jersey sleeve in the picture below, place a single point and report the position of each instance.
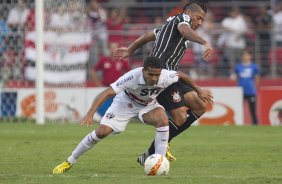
(183, 19)
(123, 82)
(170, 77)
(156, 31)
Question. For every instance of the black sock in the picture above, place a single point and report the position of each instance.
(192, 117)
(175, 130)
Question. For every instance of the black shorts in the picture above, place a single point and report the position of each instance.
(173, 96)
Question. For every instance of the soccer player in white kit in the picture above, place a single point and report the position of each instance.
(135, 94)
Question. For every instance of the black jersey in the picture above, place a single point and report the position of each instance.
(170, 45)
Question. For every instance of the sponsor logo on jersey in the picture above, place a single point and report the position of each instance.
(176, 97)
(145, 92)
(124, 80)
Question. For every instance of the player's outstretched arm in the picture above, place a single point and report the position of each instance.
(124, 52)
(99, 100)
(204, 95)
(193, 36)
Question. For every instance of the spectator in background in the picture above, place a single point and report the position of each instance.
(178, 8)
(5, 69)
(233, 39)
(77, 15)
(30, 21)
(96, 23)
(17, 16)
(247, 76)
(60, 20)
(4, 31)
(115, 24)
(111, 70)
(205, 31)
(277, 25)
(262, 25)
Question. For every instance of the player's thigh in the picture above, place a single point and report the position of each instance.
(172, 97)
(118, 115)
(179, 115)
(194, 103)
(154, 114)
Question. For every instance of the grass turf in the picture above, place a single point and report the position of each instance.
(205, 154)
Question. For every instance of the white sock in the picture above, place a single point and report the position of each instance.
(87, 143)
(161, 140)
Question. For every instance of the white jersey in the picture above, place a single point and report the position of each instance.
(134, 97)
(134, 86)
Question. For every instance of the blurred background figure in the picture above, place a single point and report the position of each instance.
(96, 24)
(5, 69)
(110, 69)
(247, 76)
(177, 9)
(233, 40)
(202, 68)
(106, 71)
(262, 27)
(277, 25)
(115, 23)
(60, 19)
(17, 16)
(4, 31)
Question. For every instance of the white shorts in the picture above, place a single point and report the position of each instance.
(122, 110)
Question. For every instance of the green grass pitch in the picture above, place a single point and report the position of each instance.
(205, 154)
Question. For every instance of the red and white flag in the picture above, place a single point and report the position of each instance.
(65, 57)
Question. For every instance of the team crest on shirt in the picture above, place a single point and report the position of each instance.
(130, 105)
(176, 97)
(110, 115)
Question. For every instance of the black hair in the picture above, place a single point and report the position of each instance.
(153, 62)
(195, 6)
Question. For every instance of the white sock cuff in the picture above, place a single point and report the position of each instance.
(93, 137)
(163, 129)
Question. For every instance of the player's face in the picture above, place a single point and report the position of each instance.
(151, 75)
(197, 18)
(246, 56)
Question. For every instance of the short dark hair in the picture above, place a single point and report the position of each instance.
(195, 6)
(153, 62)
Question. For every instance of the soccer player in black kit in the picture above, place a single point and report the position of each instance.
(171, 41)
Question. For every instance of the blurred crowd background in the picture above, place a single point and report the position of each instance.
(231, 27)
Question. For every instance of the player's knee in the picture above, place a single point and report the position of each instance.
(179, 116)
(102, 131)
(161, 121)
(200, 108)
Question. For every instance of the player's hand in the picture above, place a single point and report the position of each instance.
(121, 53)
(207, 53)
(86, 120)
(205, 95)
